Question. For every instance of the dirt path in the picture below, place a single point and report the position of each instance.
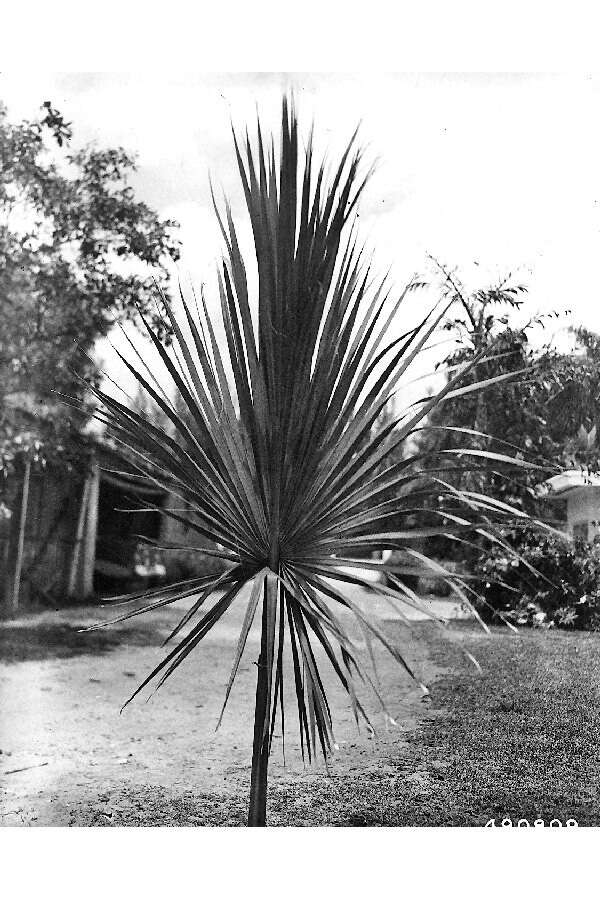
(162, 762)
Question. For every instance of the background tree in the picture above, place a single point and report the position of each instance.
(574, 402)
(549, 417)
(77, 253)
(481, 321)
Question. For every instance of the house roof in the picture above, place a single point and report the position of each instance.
(573, 479)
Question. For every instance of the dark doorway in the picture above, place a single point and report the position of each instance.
(119, 532)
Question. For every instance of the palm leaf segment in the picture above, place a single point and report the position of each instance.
(281, 467)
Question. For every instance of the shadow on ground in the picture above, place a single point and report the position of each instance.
(26, 643)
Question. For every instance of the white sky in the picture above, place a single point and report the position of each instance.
(489, 173)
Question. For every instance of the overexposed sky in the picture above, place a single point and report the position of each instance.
(489, 173)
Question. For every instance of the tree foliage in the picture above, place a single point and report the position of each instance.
(78, 252)
(548, 415)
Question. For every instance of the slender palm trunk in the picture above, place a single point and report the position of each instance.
(257, 814)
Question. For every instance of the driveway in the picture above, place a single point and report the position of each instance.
(69, 758)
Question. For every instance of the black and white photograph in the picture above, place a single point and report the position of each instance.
(299, 450)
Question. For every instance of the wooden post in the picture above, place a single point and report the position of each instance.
(90, 535)
(14, 563)
(72, 582)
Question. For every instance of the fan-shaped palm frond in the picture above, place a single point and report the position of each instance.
(279, 459)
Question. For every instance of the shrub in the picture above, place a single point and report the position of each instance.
(565, 592)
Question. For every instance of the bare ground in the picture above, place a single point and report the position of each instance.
(162, 763)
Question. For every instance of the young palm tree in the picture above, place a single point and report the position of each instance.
(283, 468)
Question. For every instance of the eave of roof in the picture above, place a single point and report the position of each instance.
(566, 482)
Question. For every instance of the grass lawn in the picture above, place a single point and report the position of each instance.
(522, 741)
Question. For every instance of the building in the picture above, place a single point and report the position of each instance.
(578, 493)
(72, 536)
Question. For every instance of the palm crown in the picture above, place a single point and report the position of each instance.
(283, 467)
